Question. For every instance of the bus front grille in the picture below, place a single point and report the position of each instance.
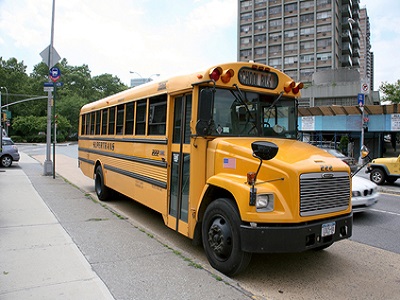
(322, 193)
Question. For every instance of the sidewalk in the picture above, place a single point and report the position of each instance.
(56, 243)
(38, 259)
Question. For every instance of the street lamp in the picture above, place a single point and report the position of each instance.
(143, 80)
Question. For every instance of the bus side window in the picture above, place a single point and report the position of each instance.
(111, 122)
(141, 117)
(130, 113)
(120, 118)
(157, 115)
(104, 121)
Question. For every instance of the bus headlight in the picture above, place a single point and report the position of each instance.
(265, 202)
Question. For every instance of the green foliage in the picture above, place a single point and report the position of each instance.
(391, 91)
(79, 88)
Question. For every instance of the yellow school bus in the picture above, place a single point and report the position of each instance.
(216, 154)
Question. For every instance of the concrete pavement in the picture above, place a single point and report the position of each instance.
(57, 243)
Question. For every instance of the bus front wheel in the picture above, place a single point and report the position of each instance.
(102, 192)
(221, 238)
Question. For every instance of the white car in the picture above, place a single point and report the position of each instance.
(364, 194)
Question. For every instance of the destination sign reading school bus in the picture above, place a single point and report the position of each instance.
(256, 78)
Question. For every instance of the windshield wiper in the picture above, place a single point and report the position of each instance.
(239, 97)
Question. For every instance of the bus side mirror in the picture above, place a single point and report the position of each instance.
(206, 104)
(264, 150)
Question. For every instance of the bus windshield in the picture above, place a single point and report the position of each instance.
(241, 113)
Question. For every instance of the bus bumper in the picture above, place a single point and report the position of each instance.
(284, 238)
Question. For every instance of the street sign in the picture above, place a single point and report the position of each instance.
(45, 54)
(55, 74)
(365, 88)
(361, 99)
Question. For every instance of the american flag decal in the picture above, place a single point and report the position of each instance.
(229, 163)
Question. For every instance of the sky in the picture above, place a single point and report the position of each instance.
(141, 38)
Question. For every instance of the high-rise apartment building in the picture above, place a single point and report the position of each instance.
(301, 37)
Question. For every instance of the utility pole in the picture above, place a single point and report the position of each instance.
(50, 57)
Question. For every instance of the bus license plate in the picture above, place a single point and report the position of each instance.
(328, 229)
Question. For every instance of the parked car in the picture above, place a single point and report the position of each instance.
(384, 169)
(364, 194)
(348, 160)
(9, 152)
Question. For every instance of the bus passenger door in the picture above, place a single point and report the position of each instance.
(180, 165)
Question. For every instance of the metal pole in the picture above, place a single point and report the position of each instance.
(48, 163)
(54, 133)
(360, 160)
(1, 127)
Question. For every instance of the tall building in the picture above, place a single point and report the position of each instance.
(302, 37)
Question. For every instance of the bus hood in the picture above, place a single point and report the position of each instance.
(234, 155)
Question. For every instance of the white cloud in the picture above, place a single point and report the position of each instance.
(143, 36)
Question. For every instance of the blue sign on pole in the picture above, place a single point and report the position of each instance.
(361, 99)
(55, 74)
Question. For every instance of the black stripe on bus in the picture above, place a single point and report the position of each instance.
(125, 140)
(89, 161)
(146, 161)
(152, 181)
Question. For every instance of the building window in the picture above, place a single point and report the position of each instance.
(291, 21)
(260, 13)
(275, 62)
(324, 56)
(289, 8)
(306, 4)
(275, 10)
(275, 49)
(307, 45)
(245, 29)
(246, 4)
(307, 18)
(245, 41)
(307, 58)
(275, 23)
(291, 47)
(324, 28)
(290, 60)
(324, 43)
(307, 31)
(290, 33)
(275, 36)
(259, 26)
(323, 2)
(323, 15)
(260, 38)
(245, 17)
(259, 51)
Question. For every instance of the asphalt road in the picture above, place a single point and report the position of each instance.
(352, 269)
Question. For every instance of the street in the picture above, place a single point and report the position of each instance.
(365, 267)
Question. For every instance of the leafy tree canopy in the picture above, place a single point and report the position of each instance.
(79, 88)
(391, 91)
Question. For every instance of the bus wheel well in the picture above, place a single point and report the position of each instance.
(212, 193)
(95, 167)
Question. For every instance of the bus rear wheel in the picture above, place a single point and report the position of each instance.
(102, 191)
(221, 238)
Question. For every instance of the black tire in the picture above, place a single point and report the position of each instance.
(6, 161)
(102, 191)
(221, 238)
(377, 176)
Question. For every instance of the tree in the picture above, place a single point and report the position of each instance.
(105, 85)
(391, 91)
(79, 88)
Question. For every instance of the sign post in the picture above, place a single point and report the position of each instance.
(361, 102)
(50, 57)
